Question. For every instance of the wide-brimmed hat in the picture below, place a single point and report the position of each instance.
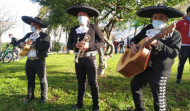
(37, 20)
(147, 12)
(89, 10)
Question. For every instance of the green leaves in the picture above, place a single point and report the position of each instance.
(54, 11)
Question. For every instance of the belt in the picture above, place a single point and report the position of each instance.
(89, 53)
(33, 58)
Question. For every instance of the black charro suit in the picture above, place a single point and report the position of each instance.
(87, 65)
(42, 44)
(96, 38)
(37, 66)
(159, 69)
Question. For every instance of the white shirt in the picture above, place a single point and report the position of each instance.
(82, 29)
(152, 32)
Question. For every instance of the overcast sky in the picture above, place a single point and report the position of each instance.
(17, 9)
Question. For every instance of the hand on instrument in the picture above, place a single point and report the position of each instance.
(22, 44)
(86, 46)
(29, 42)
(154, 42)
(79, 44)
(133, 48)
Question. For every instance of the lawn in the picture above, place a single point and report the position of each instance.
(115, 94)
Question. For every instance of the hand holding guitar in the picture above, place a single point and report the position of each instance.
(134, 48)
(29, 42)
(22, 44)
(26, 46)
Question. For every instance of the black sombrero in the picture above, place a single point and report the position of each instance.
(37, 20)
(147, 12)
(89, 10)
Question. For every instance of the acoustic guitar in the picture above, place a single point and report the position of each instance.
(25, 49)
(130, 65)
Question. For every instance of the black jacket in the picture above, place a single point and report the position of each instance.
(162, 56)
(96, 38)
(42, 44)
(14, 41)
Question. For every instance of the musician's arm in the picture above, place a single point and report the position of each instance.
(99, 39)
(43, 44)
(23, 39)
(70, 44)
(140, 35)
(171, 50)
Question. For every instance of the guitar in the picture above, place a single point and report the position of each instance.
(130, 65)
(26, 48)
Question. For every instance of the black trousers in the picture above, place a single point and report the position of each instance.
(158, 91)
(32, 68)
(87, 66)
(184, 54)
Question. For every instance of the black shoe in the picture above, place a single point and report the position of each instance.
(77, 107)
(42, 101)
(178, 81)
(28, 100)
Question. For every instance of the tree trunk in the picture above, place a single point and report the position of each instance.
(109, 49)
(102, 62)
(103, 56)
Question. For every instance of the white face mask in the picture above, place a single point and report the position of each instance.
(157, 24)
(83, 19)
(32, 29)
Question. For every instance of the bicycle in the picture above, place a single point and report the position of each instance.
(6, 55)
(16, 55)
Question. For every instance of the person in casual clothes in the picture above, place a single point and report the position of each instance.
(121, 45)
(35, 64)
(115, 43)
(163, 52)
(183, 26)
(13, 40)
(86, 65)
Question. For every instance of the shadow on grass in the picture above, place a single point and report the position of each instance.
(12, 68)
(15, 102)
(67, 82)
(114, 83)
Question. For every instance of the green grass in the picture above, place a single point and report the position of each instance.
(115, 94)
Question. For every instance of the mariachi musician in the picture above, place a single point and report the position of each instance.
(86, 64)
(39, 43)
(164, 50)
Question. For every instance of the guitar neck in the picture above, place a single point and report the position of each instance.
(161, 34)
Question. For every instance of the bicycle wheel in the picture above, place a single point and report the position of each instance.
(8, 57)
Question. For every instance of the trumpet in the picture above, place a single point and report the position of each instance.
(80, 52)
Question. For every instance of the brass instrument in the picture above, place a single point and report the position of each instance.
(80, 52)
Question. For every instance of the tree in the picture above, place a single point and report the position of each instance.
(114, 13)
(6, 23)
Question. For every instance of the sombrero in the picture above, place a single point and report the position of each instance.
(37, 20)
(147, 12)
(89, 10)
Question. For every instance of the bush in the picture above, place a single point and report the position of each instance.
(56, 46)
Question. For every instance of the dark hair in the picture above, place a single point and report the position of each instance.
(10, 34)
(188, 9)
